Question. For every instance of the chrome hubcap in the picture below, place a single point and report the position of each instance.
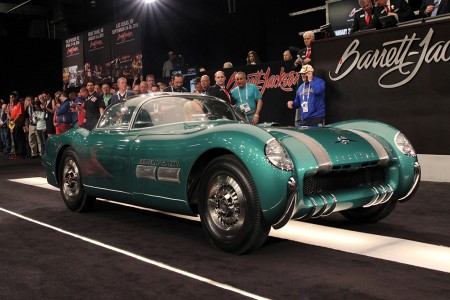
(71, 179)
(225, 204)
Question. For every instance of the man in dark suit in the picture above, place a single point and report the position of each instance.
(219, 90)
(431, 8)
(365, 18)
(397, 8)
(304, 56)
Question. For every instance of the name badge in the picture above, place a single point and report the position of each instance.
(305, 107)
(245, 107)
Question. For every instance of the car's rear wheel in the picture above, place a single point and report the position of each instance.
(229, 206)
(370, 214)
(71, 184)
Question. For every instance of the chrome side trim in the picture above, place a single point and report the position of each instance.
(324, 206)
(291, 204)
(417, 172)
(313, 209)
(332, 207)
(317, 150)
(379, 149)
(383, 195)
(105, 189)
(375, 198)
(169, 174)
(390, 192)
(146, 172)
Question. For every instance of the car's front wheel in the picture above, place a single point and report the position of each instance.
(71, 184)
(229, 206)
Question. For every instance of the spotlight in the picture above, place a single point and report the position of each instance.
(93, 3)
(150, 1)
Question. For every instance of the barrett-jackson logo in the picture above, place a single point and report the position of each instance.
(263, 80)
(397, 56)
(72, 50)
(95, 44)
(121, 37)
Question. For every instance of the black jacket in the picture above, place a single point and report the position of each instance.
(444, 8)
(218, 92)
(359, 21)
(400, 7)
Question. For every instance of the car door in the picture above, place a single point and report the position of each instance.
(158, 156)
(109, 146)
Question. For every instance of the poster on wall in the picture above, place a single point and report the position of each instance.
(73, 62)
(97, 65)
(126, 49)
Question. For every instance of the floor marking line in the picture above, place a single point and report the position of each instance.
(393, 249)
(398, 250)
(139, 257)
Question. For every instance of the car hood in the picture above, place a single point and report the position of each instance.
(333, 148)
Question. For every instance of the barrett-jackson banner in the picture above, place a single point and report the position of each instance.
(398, 76)
(277, 83)
(126, 49)
(73, 60)
(98, 55)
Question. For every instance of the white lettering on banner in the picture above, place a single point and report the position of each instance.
(125, 25)
(397, 58)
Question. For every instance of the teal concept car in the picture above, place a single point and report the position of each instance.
(195, 155)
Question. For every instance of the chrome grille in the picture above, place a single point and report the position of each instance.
(328, 183)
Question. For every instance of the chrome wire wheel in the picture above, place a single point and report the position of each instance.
(229, 206)
(71, 183)
(71, 179)
(226, 205)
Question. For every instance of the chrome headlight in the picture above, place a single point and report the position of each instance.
(277, 155)
(404, 145)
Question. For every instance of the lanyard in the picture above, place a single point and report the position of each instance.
(122, 97)
(90, 97)
(246, 94)
(309, 91)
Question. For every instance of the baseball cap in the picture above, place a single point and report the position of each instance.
(306, 69)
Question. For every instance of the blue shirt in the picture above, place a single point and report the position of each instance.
(310, 99)
(248, 94)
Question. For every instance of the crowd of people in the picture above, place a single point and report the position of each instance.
(26, 123)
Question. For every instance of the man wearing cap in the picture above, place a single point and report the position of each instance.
(248, 98)
(310, 99)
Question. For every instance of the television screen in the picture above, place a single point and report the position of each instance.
(341, 15)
